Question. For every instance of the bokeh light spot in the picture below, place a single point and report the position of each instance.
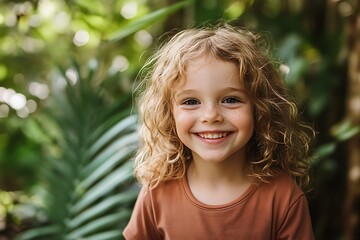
(285, 69)
(119, 63)
(17, 101)
(144, 38)
(62, 21)
(129, 10)
(31, 105)
(23, 112)
(81, 38)
(39, 90)
(72, 75)
(4, 110)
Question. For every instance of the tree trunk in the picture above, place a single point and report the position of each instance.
(352, 221)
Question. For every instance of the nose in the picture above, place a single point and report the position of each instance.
(211, 114)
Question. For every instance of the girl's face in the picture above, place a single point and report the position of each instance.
(212, 112)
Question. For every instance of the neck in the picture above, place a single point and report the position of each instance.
(231, 172)
(215, 183)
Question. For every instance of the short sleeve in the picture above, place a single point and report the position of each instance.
(142, 222)
(297, 222)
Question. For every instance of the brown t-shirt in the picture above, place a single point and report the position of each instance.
(274, 210)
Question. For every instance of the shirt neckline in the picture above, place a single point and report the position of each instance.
(245, 195)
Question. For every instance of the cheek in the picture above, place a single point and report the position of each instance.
(244, 119)
(183, 122)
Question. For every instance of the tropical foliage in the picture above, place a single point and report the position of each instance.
(88, 186)
(88, 129)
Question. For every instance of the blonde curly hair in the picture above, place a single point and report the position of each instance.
(280, 140)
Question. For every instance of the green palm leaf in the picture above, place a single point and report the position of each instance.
(146, 21)
(90, 184)
(90, 189)
(100, 208)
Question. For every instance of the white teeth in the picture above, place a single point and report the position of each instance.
(213, 135)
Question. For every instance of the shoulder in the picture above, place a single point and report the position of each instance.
(281, 187)
(150, 207)
(283, 181)
(166, 187)
(162, 192)
(289, 204)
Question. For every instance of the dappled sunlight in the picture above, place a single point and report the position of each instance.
(72, 75)
(62, 21)
(40, 90)
(119, 64)
(17, 102)
(129, 10)
(345, 8)
(4, 110)
(354, 173)
(47, 8)
(143, 38)
(284, 69)
(32, 45)
(81, 38)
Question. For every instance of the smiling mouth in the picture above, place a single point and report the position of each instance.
(213, 135)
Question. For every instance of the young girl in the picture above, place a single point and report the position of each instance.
(223, 153)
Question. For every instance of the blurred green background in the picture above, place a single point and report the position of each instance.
(68, 120)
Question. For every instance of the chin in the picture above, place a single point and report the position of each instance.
(214, 159)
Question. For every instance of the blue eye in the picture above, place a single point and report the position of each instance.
(231, 100)
(190, 102)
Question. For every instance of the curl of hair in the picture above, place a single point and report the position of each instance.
(280, 139)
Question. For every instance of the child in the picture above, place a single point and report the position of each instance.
(223, 153)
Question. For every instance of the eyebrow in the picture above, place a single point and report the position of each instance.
(228, 89)
(233, 89)
(185, 92)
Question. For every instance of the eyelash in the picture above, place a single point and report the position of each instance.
(190, 102)
(233, 100)
(226, 100)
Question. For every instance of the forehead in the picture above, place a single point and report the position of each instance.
(210, 72)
